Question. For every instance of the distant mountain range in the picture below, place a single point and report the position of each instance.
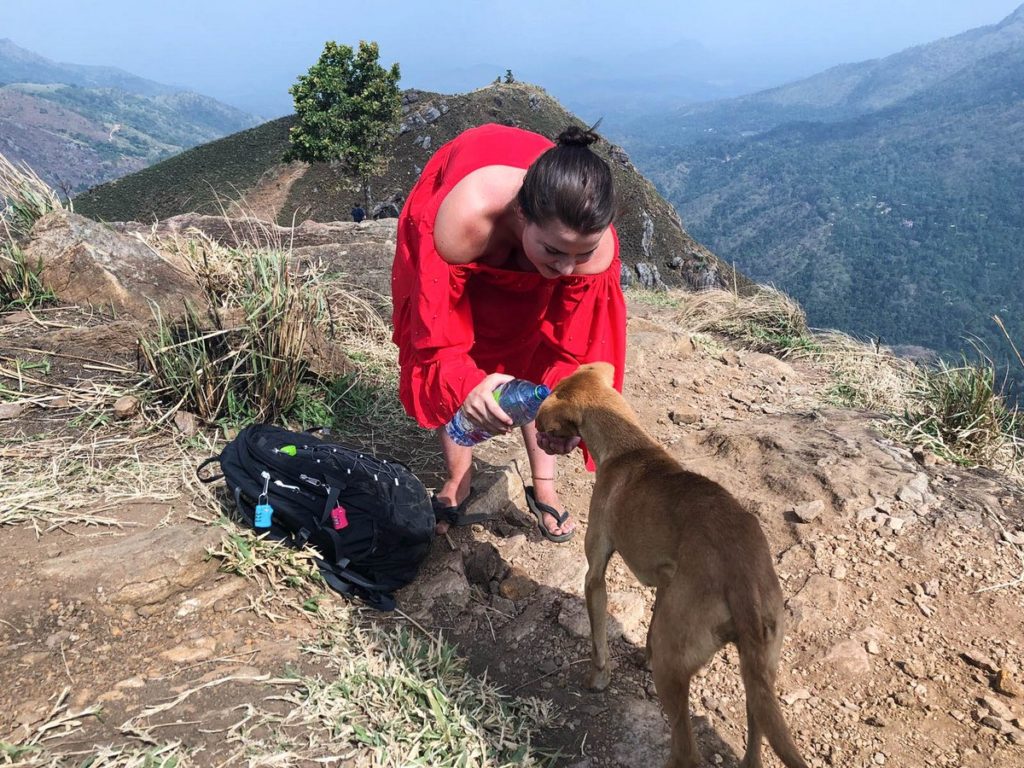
(887, 196)
(78, 126)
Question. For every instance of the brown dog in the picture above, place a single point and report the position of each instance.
(686, 536)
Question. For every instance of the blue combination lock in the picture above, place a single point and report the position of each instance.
(264, 512)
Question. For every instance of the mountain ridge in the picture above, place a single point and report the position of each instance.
(78, 126)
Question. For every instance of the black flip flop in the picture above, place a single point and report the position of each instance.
(540, 509)
(455, 515)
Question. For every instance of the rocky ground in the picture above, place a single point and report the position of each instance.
(901, 574)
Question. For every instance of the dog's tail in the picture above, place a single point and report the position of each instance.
(757, 667)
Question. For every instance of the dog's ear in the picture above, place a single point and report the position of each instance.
(606, 372)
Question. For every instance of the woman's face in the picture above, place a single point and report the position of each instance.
(555, 250)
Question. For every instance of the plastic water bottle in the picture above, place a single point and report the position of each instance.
(519, 398)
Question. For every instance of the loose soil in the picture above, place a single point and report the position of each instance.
(904, 601)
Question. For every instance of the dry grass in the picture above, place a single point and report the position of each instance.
(24, 198)
(53, 483)
(388, 696)
(243, 356)
(766, 321)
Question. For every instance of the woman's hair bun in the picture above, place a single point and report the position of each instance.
(575, 136)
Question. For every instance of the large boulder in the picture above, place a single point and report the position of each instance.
(87, 263)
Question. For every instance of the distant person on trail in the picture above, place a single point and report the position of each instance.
(506, 265)
(358, 214)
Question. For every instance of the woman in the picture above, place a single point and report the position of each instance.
(506, 266)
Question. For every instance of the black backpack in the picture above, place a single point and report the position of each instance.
(368, 516)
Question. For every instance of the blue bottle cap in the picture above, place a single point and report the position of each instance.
(542, 391)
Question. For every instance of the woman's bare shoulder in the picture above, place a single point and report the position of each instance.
(465, 222)
(602, 258)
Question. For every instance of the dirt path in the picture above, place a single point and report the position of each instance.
(903, 648)
(268, 197)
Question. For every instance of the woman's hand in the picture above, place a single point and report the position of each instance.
(557, 446)
(483, 410)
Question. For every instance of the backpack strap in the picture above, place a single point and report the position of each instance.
(199, 470)
(351, 584)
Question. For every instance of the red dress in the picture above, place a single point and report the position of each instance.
(456, 323)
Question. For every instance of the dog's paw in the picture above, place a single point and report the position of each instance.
(598, 679)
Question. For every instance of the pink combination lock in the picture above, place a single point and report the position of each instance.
(339, 517)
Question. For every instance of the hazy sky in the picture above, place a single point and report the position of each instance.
(249, 53)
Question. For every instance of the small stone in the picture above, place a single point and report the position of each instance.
(809, 511)
(839, 572)
(873, 648)
(909, 495)
(981, 661)
(11, 410)
(683, 415)
(931, 588)
(21, 316)
(801, 694)
(187, 423)
(878, 758)
(517, 586)
(1005, 684)
(1016, 738)
(996, 707)
(126, 406)
(994, 722)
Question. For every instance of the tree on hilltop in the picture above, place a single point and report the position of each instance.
(348, 107)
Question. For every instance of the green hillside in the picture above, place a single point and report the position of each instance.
(206, 178)
(79, 126)
(203, 179)
(905, 223)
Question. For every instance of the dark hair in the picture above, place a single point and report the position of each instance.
(569, 183)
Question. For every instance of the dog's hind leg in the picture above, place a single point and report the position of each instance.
(599, 551)
(759, 660)
(672, 668)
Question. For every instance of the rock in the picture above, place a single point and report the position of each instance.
(1005, 684)
(126, 406)
(572, 617)
(801, 694)
(483, 562)
(448, 584)
(141, 569)
(809, 511)
(649, 277)
(11, 410)
(627, 611)
(186, 423)
(910, 495)
(565, 572)
(912, 668)
(684, 414)
(646, 741)
(518, 585)
(996, 707)
(90, 264)
(16, 318)
(850, 658)
(503, 605)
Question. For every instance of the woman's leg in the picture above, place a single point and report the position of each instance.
(458, 463)
(542, 468)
